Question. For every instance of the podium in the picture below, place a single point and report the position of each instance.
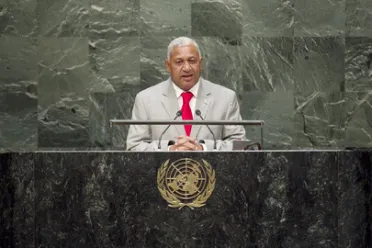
(111, 199)
(235, 145)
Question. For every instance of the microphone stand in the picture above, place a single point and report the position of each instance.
(178, 114)
(198, 113)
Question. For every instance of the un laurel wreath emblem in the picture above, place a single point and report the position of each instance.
(186, 182)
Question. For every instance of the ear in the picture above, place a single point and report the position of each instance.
(168, 65)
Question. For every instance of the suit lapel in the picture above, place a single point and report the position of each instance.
(202, 103)
(169, 102)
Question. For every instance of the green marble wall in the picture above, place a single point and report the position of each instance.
(67, 67)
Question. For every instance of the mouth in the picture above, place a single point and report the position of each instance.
(187, 78)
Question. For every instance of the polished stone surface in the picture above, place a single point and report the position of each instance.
(18, 17)
(319, 18)
(110, 199)
(18, 122)
(63, 92)
(262, 106)
(17, 200)
(333, 119)
(115, 61)
(358, 18)
(18, 64)
(319, 64)
(104, 107)
(160, 18)
(114, 18)
(304, 67)
(269, 18)
(354, 199)
(269, 65)
(223, 21)
(358, 63)
(63, 18)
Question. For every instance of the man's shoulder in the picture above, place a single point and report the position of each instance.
(217, 88)
(153, 90)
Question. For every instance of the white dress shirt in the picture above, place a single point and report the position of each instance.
(194, 90)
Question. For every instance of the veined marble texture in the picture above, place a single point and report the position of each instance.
(110, 199)
(67, 67)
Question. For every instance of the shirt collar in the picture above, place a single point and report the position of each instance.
(194, 90)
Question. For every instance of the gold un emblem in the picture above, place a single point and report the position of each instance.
(186, 182)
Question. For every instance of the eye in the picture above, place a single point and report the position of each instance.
(178, 62)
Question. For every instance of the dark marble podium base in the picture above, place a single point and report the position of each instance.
(261, 199)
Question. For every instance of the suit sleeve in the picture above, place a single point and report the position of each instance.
(139, 136)
(233, 114)
(230, 132)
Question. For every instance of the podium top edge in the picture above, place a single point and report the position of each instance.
(181, 122)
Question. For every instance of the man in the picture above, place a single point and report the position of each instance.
(185, 90)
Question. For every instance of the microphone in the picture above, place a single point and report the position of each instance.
(178, 114)
(198, 113)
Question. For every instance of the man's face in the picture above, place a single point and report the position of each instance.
(184, 66)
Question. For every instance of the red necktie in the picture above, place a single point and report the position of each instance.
(186, 110)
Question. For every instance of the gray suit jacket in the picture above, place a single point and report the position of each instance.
(159, 102)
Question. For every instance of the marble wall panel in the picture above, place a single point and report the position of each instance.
(18, 69)
(115, 62)
(269, 18)
(358, 18)
(358, 121)
(358, 64)
(18, 18)
(113, 19)
(159, 18)
(319, 18)
(222, 21)
(103, 108)
(18, 121)
(64, 18)
(319, 64)
(320, 119)
(64, 123)
(63, 68)
(330, 120)
(267, 64)
(63, 91)
(275, 109)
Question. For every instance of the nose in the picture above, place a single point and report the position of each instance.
(186, 66)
